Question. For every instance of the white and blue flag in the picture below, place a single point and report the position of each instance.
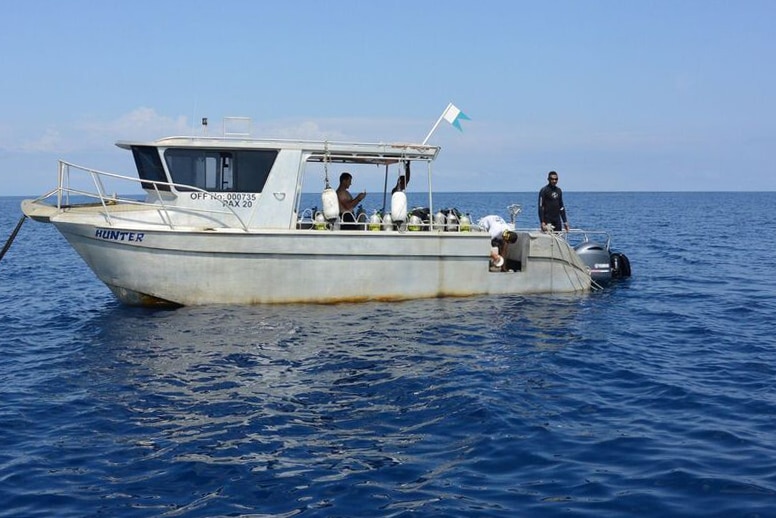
(454, 116)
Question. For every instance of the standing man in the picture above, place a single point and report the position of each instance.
(403, 180)
(347, 202)
(551, 209)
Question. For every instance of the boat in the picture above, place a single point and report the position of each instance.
(219, 220)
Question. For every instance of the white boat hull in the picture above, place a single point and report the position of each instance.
(222, 221)
(152, 266)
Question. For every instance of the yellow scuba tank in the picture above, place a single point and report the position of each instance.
(374, 222)
(465, 223)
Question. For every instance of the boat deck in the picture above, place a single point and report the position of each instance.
(43, 212)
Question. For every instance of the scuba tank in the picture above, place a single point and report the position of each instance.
(466, 223)
(452, 221)
(374, 222)
(319, 223)
(439, 220)
(414, 223)
(387, 222)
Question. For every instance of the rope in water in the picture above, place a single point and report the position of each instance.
(13, 236)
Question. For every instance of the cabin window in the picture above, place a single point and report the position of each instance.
(149, 167)
(220, 171)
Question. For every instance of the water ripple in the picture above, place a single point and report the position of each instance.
(652, 398)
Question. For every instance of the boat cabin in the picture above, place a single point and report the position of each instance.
(260, 182)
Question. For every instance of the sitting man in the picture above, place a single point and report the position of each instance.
(500, 235)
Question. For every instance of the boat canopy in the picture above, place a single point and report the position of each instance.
(315, 151)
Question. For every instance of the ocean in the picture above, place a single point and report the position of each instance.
(654, 397)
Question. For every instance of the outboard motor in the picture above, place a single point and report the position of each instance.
(604, 265)
(620, 265)
(596, 257)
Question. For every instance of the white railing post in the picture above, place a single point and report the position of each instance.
(60, 179)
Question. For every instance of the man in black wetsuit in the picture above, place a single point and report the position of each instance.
(551, 209)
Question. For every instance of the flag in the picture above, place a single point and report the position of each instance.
(454, 116)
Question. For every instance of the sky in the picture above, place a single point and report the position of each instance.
(651, 95)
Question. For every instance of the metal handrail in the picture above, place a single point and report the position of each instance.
(586, 234)
(64, 191)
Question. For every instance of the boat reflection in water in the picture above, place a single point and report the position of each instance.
(332, 388)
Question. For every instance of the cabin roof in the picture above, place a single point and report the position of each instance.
(316, 150)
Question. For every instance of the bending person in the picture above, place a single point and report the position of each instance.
(500, 235)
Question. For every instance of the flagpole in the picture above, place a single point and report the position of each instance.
(437, 124)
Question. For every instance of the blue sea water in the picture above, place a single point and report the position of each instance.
(653, 398)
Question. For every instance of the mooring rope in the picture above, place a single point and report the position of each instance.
(566, 263)
(326, 159)
(13, 236)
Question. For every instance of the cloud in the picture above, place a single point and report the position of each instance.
(305, 130)
(51, 140)
(336, 129)
(144, 123)
(139, 124)
(85, 135)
